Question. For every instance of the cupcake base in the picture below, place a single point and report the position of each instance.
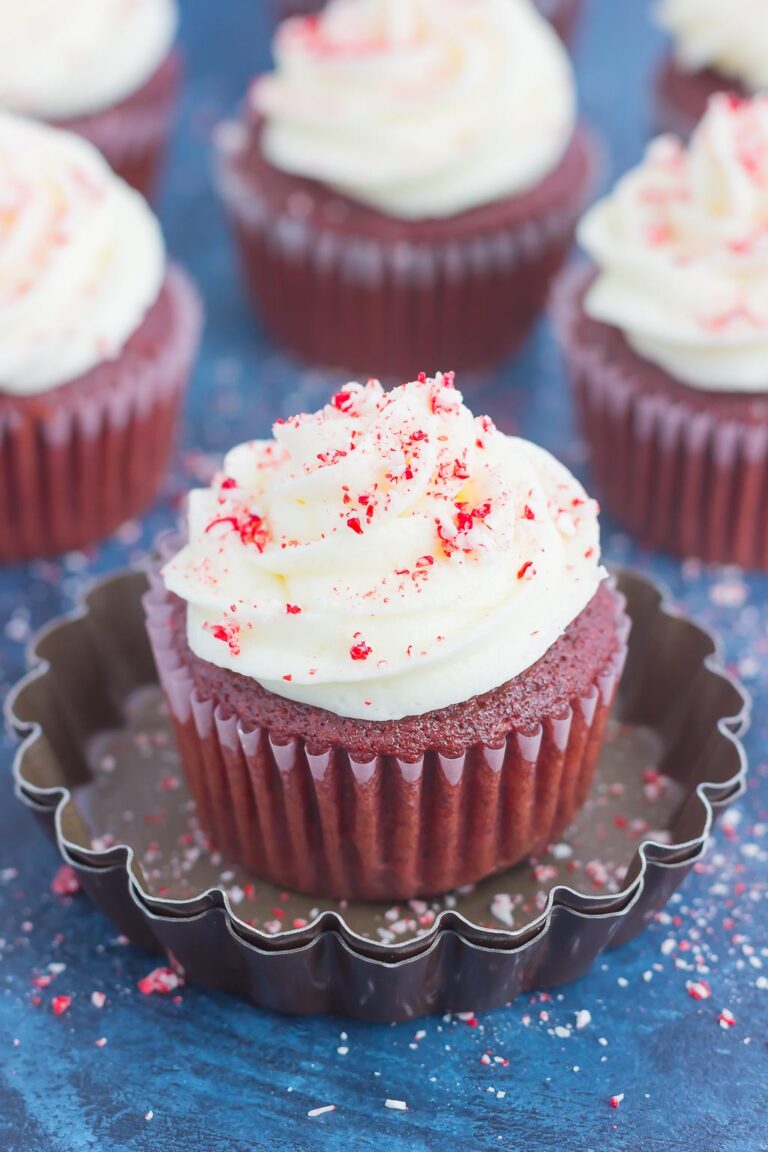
(682, 97)
(684, 470)
(133, 135)
(353, 810)
(80, 459)
(344, 286)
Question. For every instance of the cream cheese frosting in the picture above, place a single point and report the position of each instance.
(419, 108)
(60, 60)
(729, 36)
(681, 248)
(82, 258)
(386, 556)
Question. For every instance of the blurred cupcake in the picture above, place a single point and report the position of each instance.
(563, 14)
(102, 68)
(97, 337)
(667, 339)
(388, 648)
(718, 45)
(406, 183)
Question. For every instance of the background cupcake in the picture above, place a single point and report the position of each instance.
(97, 337)
(407, 181)
(563, 14)
(667, 340)
(388, 648)
(102, 68)
(716, 47)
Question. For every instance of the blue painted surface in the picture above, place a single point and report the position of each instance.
(218, 1076)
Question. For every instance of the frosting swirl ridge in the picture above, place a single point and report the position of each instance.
(681, 247)
(82, 258)
(386, 556)
(419, 108)
(61, 60)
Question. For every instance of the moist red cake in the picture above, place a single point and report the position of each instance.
(371, 810)
(133, 134)
(684, 469)
(342, 284)
(682, 97)
(79, 459)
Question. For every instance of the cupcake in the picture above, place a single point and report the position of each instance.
(102, 68)
(388, 647)
(717, 47)
(666, 335)
(405, 184)
(97, 336)
(563, 14)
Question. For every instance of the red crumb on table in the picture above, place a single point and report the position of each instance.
(698, 989)
(65, 882)
(615, 1101)
(160, 980)
(60, 1005)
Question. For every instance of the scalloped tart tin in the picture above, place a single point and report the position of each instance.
(99, 767)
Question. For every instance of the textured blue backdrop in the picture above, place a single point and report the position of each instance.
(209, 1074)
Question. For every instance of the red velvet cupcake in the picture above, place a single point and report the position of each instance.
(388, 648)
(104, 69)
(564, 15)
(386, 221)
(666, 337)
(718, 47)
(97, 338)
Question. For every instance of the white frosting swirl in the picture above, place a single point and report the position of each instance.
(81, 257)
(386, 556)
(726, 35)
(420, 108)
(63, 59)
(681, 247)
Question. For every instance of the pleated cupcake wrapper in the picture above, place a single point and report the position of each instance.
(564, 14)
(322, 821)
(677, 478)
(134, 139)
(88, 665)
(387, 309)
(72, 472)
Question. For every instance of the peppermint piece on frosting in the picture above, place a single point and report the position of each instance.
(681, 248)
(387, 555)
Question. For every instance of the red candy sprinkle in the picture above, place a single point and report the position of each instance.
(293, 609)
(342, 401)
(525, 568)
(355, 525)
(698, 989)
(360, 650)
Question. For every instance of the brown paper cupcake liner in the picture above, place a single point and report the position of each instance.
(88, 666)
(74, 468)
(380, 298)
(565, 15)
(679, 476)
(319, 820)
(133, 136)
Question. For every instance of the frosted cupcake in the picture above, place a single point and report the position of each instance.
(564, 15)
(97, 336)
(388, 648)
(407, 181)
(718, 45)
(102, 68)
(666, 334)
